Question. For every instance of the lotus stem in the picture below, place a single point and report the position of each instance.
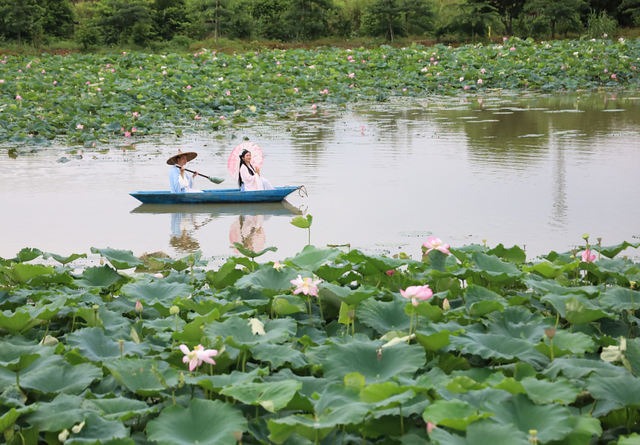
(173, 395)
(320, 306)
(593, 408)
(309, 243)
(258, 411)
(310, 318)
(18, 379)
(410, 326)
(244, 360)
(551, 341)
(343, 428)
(628, 421)
(401, 420)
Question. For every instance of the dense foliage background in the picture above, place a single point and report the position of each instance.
(178, 23)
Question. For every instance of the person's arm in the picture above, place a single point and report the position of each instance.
(174, 178)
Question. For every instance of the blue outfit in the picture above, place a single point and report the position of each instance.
(175, 183)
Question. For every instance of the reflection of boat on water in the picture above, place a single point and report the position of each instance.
(215, 196)
(282, 208)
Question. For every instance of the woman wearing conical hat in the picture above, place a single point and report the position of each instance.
(181, 182)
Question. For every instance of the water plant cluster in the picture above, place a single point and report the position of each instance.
(95, 99)
(470, 345)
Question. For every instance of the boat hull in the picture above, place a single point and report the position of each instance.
(214, 196)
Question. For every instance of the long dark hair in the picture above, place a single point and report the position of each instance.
(244, 152)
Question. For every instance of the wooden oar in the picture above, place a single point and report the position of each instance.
(212, 179)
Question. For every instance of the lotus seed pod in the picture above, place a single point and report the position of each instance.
(95, 307)
(599, 240)
(585, 236)
(174, 310)
(550, 333)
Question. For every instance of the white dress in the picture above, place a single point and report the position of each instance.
(253, 182)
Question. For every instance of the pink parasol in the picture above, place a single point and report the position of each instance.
(234, 158)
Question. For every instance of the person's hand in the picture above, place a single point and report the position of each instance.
(257, 169)
(195, 174)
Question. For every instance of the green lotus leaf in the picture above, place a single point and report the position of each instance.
(552, 422)
(580, 310)
(384, 316)
(386, 395)
(311, 258)
(621, 390)
(551, 270)
(158, 294)
(217, 382)
(23, 273)
(431, 340)
(620, 299)
(94, 345)
(332, 273)
(288, 304)
(269, 280)
(346, 294)
(400, 360)
(611, 251)
(61, 413)
(518, 322)
(633, 439)
(575, 368)
(61, 377)
(302, 222)
(632, 355)
(119, 259)
(102, 277)
(137, 375)
(18, 357)
(546, 392)
(64, 259)
(454, 414)
(278, 355)
(252, 254)
(483, 432)
(98, 430)
(225, 276)
(120, 408)
(272, 396)
(514, 254)
(27, 254)
(426, 310)
(204, 422)
(481, 301)
(583, 432)
(16, 322)
(237, 332)
(494, 269)
(498, 348)
(565, 343)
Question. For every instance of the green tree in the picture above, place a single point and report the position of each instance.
(309, 19)
(118, 17)
(417, 13)
(169, 18)
(384, 17)
(508, 10)
(556, 11)
(269, 18)
(211, 15)
(21, 17)
(631, 7)
(475, 18)
(58, 17)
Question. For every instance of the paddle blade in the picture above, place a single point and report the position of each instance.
(216, 180)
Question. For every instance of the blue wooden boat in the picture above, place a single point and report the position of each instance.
(214, 196)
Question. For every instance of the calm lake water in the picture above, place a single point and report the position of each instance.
(533, 170)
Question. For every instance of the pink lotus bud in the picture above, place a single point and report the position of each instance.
(138, 307)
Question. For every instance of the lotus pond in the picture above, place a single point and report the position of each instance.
(470, 345)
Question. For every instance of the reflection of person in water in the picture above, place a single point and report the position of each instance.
(181, 238)
(248, 231)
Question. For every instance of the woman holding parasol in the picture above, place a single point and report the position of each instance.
(244, 165)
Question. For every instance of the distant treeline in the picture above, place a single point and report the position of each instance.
(182, 22)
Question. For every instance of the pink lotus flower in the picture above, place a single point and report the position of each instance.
(305, 285)
(188, 87)
(197, 356)
(483, 71)
(277, 266)
(158, 275)
(352, 75)
(55, 82)
(436, 243)
(295, 89)
(466, 87)
(18, 97)
(512, 48)
(197, 117)
(431, 426)
(404, 89)
(80, 127)
(88, 83)
(613, 76)
(228, 93)
(99, 89)
(278, 62)
(415, 293)
(1, 80)
(587, 257)
(222, 117)
(314, 106)
(326, 91)
(127, 134)
(391, 272)
(139, 307)
(362, 128)
(504, 39)
(164, 73)
(136, 114)
(432, 59)
(606, 71)
(479, 81)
